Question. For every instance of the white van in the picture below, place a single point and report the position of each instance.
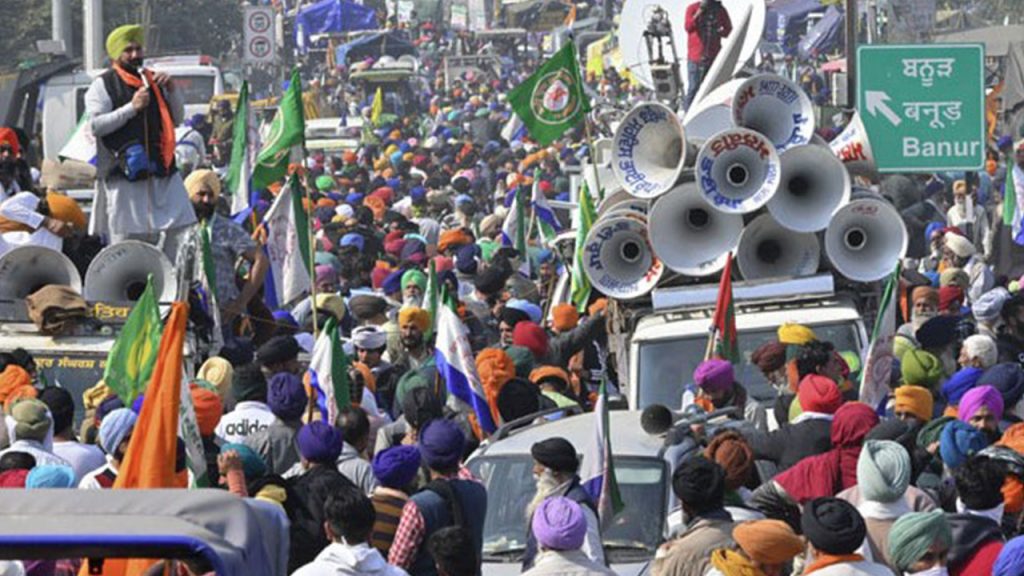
(63, 105)
(196, 78)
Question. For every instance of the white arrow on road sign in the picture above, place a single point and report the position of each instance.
(876, 102)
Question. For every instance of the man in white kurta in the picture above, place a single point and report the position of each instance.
(155, 209)
(23, 208)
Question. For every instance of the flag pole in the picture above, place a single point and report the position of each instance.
(312, 256)
(588, 134)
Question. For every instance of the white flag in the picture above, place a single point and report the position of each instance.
(286, 223)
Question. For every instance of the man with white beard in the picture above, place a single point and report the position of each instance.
(554, 468)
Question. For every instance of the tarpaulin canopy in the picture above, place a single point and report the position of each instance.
(822, 37)
(374, 46)
(329, 16)
(784, 17)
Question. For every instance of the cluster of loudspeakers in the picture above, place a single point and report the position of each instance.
(117, 274)
(765, 188)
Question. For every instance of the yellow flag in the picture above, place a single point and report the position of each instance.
(595, 57)
(377, 108)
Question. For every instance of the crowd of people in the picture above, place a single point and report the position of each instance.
(928, 481)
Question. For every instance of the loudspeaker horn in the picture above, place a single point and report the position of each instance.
(737, 171)
(649, 150)
(26, 269)
(768, 250)
(865, 239)
(853, 148)
(118, 273)
(775, 107)
(618, 259)
(814, 185)
(688, 236)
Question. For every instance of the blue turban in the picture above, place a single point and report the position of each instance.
(466, 258)
(959, 383)
(286, 396)
(285, 317)
(353, 239)
(930, 229)
(396, 467)
(252, 463)
(528, 308)
(114, 427)
(441, 444)
(1011, 560)
(959, 441)
(1008, 379)
(319, 442)
(51, 476)
(354, 198)
(393, 282)
(418, 193)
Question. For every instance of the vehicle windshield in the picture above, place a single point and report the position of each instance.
(633, 535)
(194, 89)
(666, 366)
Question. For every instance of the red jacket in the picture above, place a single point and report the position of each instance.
(980, 563)
(696, 49)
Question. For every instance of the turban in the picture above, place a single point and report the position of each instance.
(353, 239)
(532, 311)
(208, 407)
(491, 280)
(393, 282)
(883, 470)
(277, 350)
(396, 467)
(925, 294)
(532, 337)
(325, 273)
(557, 454)
(414, 315)
(32, 420)
(441, 444)
(286, 396)
(466, 259)
(51, 476)
(522, 359)
(959, 441)
(959, 383)
(1013, 438)
(559, 524)
(453, 239)
(819, 393)
(983, 348)
(980, 396)
(916, 400)
(219, 372)
(913, 534)
(200, 179)
(920, 368)
(319, 442)
(331, 303)
(121, 37)
(700, 483)
(324, 182)
(66, 209)
(768, 541)
(988, 307)
(115, 427)
(959, 245)
(495, 368)
(564, 317)
(937, 332)
(931, 432)
(833, 526)
(769, 357)
(365, 306)
(248, 383)
(369, 338)
(416, 277)
(1007, 378)
(252, 463)
(13, 380)
(14, 478)
(796, 334)
(547, 372)
(518, 398)
(952, 278)
(714, 375)
(376, 205)
(732, 452)
(951, 297)
(1010, 561)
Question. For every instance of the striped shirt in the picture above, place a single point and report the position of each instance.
(388, 504)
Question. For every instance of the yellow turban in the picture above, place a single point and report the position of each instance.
(414, 315)
(798, 334)
(331, 303)
(121, 37)
(199, 179)
(219, 372)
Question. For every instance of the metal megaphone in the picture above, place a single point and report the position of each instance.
(26, 269)
(688, 236)
(649, 150)
(775, 107)
(768, 250)
(737, 171)
(618, 259)
(814, 185)
(119, 272)
(865, 239)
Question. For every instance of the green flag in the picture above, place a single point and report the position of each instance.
(580, 282)
(1009, 198)
(287, 130)
(237, 182)
(551, 100)
(430, 298)
(131, 359)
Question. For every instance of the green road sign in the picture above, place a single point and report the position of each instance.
(923, 107)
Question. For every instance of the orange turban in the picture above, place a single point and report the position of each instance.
(564, 317)
(369, 380)
(495, 368)
(768, 541)
(915, 399)
(326, 203)
(15, 383)
(376, 205)
(1013, 438)
(1013, 494)
(208, 408)
(732, 452)
(452, 239)
(414, 315)
(541, 372)
(66, 209)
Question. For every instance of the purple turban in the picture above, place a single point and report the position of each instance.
(319, 442)
(325, 273)
(714, 375)
(559, 524)
(980, 396)
(441, 444)
(396, 467)
(286, 396)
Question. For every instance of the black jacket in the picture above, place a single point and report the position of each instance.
(792, 442)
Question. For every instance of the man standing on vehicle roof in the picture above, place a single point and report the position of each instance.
(139, 192)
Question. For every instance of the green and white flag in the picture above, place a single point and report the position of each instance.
(874, 378)
(431, 297)
(244, 137)
(287, 247)
(188, 431)
(551, 100)
(207, 273)
(131, 358)
(586, 214)
(286, 131)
